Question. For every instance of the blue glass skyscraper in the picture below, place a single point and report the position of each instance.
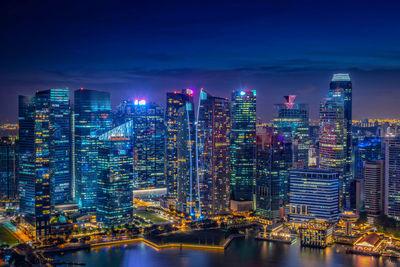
(92, 113)
(243, 145)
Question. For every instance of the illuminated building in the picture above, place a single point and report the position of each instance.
(45, 155)
(148, 135)
(263, 177)
(292, 128)
(243, 145)
(92, 117)
(374, 184)
(332, 142)
(316, 234)
(314, 194)
(392, 177)
(342, 82)
(115, 168)
(175, 101)
(291, 142)
(370, 243)
(370, 149)
(213, 144)
(8, 171)
(187, 200)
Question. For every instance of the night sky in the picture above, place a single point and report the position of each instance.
(146, 48)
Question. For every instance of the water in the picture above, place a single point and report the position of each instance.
(242, 252)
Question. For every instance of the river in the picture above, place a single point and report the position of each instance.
(241, 252)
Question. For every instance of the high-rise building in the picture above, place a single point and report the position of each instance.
(263, 170)
(333, 141)
(314, 194)
(115, 169)
(175, 101)
(369, 149)
(392, 177)
(291, 129)
(213, 154)
(26, 156)
(44, 155)
(8, 169)
(53, 117)
(342, 81)
(243, 145)
(374, 184)
(148, 141)
(92, 118)
(188, 193)
(291, 142)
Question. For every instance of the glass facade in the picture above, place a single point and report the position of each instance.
(392, 177)
(213, 153)
(8, 168)
(175, 101)
(243, 145)
(115, 169)
(314, 194)
(333, 142)
(92, 113)
(148, 141)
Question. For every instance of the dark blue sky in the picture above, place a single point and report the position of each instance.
(145, 48)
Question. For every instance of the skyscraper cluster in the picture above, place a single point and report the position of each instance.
(210, 153)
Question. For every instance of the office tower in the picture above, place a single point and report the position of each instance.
(392, 177)
(175, 101)
(314, 194)
(26, 156)
(369, 149)
(213, 153)
(263, 174)
(243, 145)
(148, 137)
(291, 142)
(374, 183)
(333, 141)
(342, 82)
(291, 129)
(8, 169)
(53, 118)
(92, 118)
(187, 200)
(115, 168)
(44, 155)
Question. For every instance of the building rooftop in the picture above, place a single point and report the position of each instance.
(341, 77)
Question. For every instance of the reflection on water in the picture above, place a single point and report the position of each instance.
(241, 252)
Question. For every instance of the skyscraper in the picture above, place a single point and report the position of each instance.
(92, 118)
(314, 194)
(53, 117)
(263, 170)
(44, 155)
(213, 154)
(175, 101)
(342, 81)
(115, 169)
(8, 171)
(333, 141)
(369, 149)
(291, 127)
(243, 145)
(148, 137)
(374, 184)
(291, 142)
(392, 177)
(188, 198)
